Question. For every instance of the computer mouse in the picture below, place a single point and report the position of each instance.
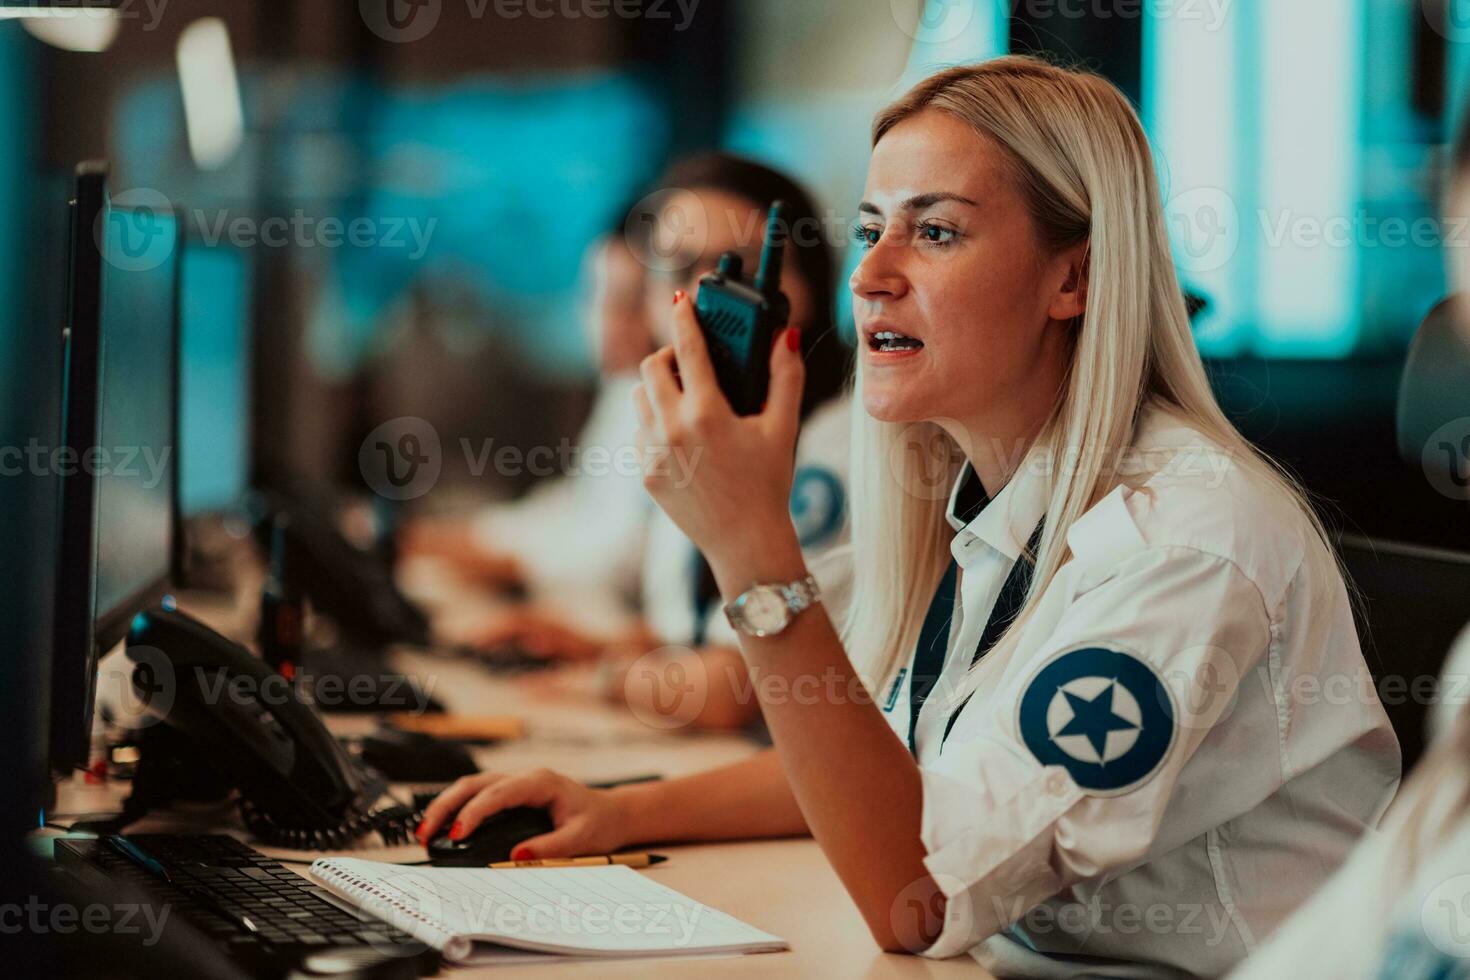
(414, 757)
(492, 840)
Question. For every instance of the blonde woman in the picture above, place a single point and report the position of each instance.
(1083, 753)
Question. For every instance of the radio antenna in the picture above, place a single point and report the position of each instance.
(768, 277)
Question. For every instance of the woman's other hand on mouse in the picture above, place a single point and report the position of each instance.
(588, 821)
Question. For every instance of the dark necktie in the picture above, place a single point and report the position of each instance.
(934, 636)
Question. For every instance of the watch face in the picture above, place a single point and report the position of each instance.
(764, 610)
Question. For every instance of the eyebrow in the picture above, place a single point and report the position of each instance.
(919, 202)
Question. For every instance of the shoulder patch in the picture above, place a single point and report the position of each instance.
(818, 505)
(1104, 715)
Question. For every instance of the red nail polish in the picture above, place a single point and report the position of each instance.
(678, 296)
(793, 339)
(455, 831)
(521, 853)
(419, 831)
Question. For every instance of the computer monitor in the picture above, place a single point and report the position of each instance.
(215, 379)
(118, 461)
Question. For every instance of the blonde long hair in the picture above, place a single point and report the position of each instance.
(1085, 170)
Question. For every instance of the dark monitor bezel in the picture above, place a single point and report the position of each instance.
(81, 635)
(74, 656)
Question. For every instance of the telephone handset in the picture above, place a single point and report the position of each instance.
(225, 719)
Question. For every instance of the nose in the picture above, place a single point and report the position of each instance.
(879, 275)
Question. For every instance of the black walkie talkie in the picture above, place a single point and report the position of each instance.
(740, 320)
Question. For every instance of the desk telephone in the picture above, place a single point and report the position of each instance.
(352, 586)
(225, 721)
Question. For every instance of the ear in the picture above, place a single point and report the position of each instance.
(1070, 301)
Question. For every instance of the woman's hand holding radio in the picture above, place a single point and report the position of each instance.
(723, 478)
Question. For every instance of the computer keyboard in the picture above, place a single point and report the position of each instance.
(267, 917)
(506, 661)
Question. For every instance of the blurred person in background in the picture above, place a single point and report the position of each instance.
(578, 534)
(706, 206)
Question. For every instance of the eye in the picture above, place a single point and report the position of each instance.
(938, 235)
(866, 235)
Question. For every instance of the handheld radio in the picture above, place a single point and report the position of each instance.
(740, 320)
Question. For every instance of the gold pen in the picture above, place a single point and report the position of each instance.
(626, 860)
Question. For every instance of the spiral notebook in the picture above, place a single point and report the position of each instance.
(473, 914)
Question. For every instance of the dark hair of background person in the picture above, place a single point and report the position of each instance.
(828, 359)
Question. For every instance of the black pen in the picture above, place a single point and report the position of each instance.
(138, 856)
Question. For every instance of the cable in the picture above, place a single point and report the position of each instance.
(395, 824)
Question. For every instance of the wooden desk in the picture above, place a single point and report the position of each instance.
(784, 887)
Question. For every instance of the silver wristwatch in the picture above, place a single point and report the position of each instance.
(768, 608)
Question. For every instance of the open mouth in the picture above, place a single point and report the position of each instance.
(888, 341)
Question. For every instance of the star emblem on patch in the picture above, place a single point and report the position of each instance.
(1102, 714)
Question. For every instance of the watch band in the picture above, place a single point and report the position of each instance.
(802, 594)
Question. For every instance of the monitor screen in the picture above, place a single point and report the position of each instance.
(135, 424)
(214, 394)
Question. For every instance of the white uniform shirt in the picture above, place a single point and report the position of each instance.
(579, 536)
(818, 509)
(1136, 789)
(1400, 908)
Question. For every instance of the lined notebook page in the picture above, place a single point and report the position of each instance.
(599, 911)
